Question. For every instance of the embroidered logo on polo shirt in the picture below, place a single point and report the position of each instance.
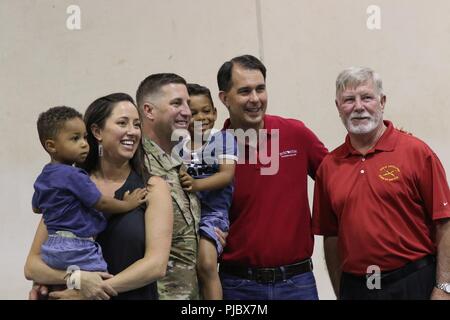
(389, 173)
(288, 153)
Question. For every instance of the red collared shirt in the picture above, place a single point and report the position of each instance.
(381, 205)
(270, 216)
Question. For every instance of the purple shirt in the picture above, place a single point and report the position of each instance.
(66, 195)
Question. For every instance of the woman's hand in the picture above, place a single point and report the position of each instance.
(94, 288)
(68, 294)
(38, 292)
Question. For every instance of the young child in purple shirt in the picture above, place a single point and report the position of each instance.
(67, 197)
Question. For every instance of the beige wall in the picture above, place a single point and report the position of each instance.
(303, 43)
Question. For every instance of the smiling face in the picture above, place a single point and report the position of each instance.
(203, 112)
(247, 98)
(70, 144)
(121, 134)
(171, 110)
(361, 108)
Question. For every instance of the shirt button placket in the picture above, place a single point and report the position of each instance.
(362, 171)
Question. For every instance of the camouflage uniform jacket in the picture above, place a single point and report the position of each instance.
(180, 281)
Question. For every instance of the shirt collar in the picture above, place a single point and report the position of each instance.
(387, 142)
(268, 125)
(166, 160)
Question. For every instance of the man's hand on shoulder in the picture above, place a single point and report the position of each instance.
(403, 130)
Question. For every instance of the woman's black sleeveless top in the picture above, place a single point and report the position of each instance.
(123, 241)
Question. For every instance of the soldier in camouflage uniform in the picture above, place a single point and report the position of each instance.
(181, 278)
(163, 102)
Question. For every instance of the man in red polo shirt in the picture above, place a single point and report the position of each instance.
(270, 242)
(381, 202)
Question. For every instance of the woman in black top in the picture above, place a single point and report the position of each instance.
(123, 241)
(136, 244)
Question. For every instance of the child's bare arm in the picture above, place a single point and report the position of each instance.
(218, 180)
(130, 201)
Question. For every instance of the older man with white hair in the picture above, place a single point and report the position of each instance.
(381, 203)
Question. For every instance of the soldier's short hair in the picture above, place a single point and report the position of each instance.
(153, 83)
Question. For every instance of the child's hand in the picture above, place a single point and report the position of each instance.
(187, 182)
(135, 198)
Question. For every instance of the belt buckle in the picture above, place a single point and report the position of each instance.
(266, 275)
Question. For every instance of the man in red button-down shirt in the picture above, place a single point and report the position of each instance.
(270, 241)
(381, 202)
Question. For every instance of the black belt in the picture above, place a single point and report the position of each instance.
(398, 274)
(267, 275)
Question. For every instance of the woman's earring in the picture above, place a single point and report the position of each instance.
(100, 150)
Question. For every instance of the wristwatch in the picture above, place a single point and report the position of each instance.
(444, 286)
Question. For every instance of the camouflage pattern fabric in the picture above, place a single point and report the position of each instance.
(180, 282)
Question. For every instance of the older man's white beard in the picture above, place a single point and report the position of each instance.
(372, 122)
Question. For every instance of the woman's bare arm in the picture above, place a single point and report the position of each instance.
(158, 239)
(36, 269)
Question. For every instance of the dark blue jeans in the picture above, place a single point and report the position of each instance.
(299, 287)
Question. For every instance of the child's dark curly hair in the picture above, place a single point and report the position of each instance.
(52, 120)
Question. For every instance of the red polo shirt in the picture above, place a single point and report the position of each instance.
(270, 217)
(382, 205)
